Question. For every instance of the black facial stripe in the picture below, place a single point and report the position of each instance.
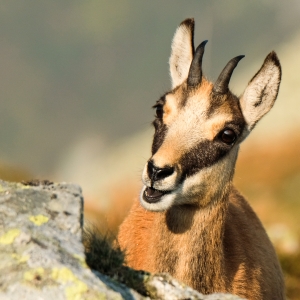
(237, 126)
(203, 155)
(159, 135)
(215, 102)
(161, 101)
(184, 98)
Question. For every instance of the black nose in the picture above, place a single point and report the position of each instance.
(156, 173)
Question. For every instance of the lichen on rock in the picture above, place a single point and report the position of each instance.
(41, 252)
(42, 255)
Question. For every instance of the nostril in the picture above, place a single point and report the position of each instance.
(151, 169)
(156, 173)
(163, 173)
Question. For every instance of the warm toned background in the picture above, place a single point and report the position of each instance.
(78, 78)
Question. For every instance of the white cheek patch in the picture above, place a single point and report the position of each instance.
(207, 184)
(201, 189)
(167, 184)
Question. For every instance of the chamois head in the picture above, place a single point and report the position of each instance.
(199, 126)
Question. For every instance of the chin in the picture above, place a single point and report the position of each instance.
(160, 201)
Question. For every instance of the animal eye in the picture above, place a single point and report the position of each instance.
(159, 111)
(227, 136)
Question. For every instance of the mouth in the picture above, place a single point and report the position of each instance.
(152, 195)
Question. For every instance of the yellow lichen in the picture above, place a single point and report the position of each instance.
(8, 237)
(63, 275)
(2, 189)
(101, 296)
(20, 258)
(81, 260)
(24, 187)
(34, 274)
(39, 220)
(75, 291)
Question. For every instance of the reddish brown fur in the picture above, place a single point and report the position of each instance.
(239, 257)
(203, 232)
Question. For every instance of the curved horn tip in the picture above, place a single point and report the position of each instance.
(239, 57)
(195, 72)
(200, 48)
(221, 85)
(202, 44)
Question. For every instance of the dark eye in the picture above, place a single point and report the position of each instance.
(159, 111)
(227, 136)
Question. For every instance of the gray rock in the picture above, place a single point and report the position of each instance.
(42, 255)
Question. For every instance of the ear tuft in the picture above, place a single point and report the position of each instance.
(189, 22)
(272, 56)
(262, 90)
(182, 52)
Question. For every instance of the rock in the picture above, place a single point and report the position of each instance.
(42, 255)
(163, 286)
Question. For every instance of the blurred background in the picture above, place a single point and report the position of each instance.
(78, 79)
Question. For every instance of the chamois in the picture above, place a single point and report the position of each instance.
(190, 221)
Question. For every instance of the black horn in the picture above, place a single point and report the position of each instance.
(195, 72)
(221, 85)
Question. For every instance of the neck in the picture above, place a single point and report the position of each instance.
(190, 243)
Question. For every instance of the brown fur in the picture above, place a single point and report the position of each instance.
(199, 228)
(223, 248)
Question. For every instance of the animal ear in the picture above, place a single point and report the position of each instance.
(262, 90)
(182, 52)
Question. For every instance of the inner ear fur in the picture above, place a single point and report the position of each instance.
(182, 52)
(261, 92)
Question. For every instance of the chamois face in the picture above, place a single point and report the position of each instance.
(199, 125)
